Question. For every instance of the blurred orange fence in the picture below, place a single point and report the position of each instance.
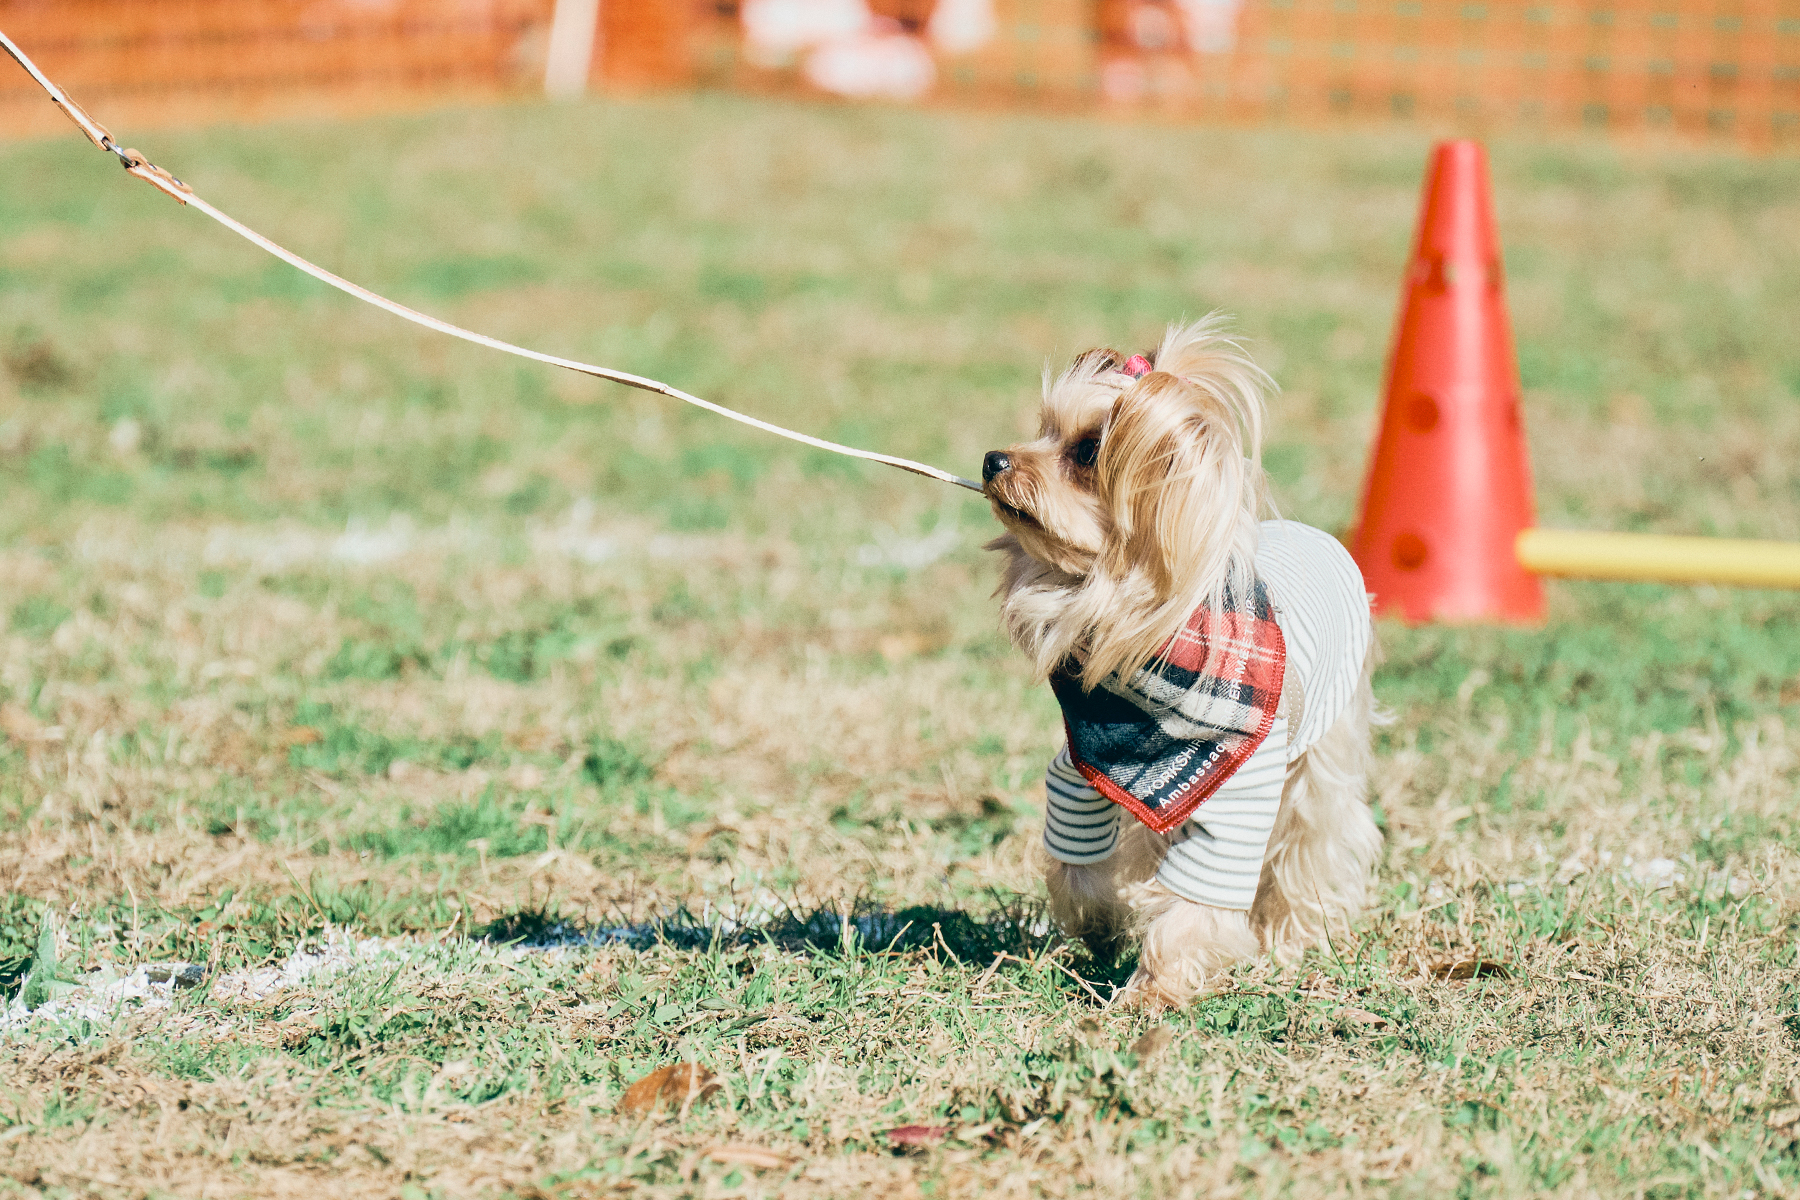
(136, 62)
(1719, 69)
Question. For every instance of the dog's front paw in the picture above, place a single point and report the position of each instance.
(1158, 993)
(1187, 949)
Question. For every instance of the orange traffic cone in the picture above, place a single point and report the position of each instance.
(1449, 486)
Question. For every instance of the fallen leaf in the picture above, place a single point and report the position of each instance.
(19, 725)
(918, 1135)
(1361, 1018)
(671, 1086)
(302, 735)
(748, 1155)
(1153, 1043)
(1471, 968)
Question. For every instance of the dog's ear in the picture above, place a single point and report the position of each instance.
(1172, 474)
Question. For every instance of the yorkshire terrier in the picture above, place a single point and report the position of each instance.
(1212, 667)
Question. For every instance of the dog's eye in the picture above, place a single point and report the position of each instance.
(1086, 451)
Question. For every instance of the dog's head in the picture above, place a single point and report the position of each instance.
(1144, 484)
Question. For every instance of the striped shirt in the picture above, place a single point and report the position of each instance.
(1216, 856)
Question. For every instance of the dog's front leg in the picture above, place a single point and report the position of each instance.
(1091, 900)
(1085, 903)
(1185, 947)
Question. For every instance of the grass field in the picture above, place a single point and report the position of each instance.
(337, 657)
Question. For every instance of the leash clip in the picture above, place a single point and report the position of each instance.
(135, 163)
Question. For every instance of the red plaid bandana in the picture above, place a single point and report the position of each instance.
(1162, 742)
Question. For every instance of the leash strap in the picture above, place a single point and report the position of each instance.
(140, 166)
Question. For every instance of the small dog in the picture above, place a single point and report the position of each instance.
(1212, 667)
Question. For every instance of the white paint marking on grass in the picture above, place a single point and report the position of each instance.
(105, 996)
(333, 955)
(102, 995)
(362, 545)
(889, 549)
(576, 537)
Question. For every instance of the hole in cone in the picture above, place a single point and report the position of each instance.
(1409, 552)
(1433, 273)
(1422, 413)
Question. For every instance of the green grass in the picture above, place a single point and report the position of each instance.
(315, 627)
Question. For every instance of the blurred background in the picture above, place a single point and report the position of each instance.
(1700, 68)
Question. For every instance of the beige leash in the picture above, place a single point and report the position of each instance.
(163, 181)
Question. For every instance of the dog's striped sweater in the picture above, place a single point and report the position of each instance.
(1315, 592)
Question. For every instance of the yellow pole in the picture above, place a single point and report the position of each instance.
(1647, 556)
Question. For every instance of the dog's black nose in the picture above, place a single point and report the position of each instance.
(995, 462)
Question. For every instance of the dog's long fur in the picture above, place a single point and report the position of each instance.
(1139, 501)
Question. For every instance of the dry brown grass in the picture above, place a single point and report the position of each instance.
(612, 661)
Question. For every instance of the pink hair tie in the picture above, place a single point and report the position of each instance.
(1137, 366)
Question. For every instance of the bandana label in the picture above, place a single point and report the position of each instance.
(1162, 742)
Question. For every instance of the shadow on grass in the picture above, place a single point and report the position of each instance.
(1015, 927)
